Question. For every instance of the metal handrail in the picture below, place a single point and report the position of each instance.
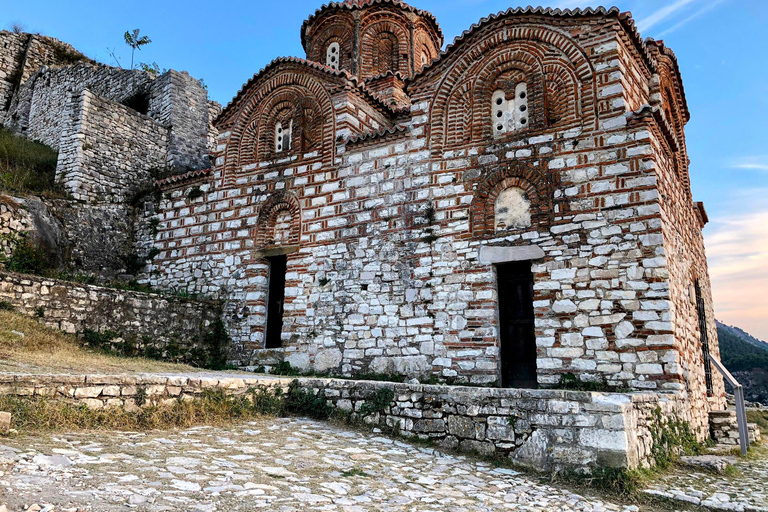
(741, 409)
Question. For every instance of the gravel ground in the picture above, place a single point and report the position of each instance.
(270, 464)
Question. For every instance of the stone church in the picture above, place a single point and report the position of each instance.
(509, 210)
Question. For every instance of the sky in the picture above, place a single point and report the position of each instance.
(721, 46)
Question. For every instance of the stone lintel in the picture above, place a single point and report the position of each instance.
(492, 254)
(276, 251)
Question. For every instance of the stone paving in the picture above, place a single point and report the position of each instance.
(746, 490)
(269, 464)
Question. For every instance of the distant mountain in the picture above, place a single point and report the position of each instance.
(746, 357)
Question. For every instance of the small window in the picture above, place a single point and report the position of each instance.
(332, 55)
(509, 114)
(283, 137)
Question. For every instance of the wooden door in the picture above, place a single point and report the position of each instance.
(516, 328)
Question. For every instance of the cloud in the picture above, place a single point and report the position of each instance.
(757, 163)
(662, 14)
(693, 16)
(737, 250)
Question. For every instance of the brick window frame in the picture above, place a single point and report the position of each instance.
(269, 211)
(537, 190)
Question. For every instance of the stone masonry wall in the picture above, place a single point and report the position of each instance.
(545, 430)
(139, 319)
(110, 152)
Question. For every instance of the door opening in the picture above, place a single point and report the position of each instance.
(275, 299)
(516, 325)
(702, 312)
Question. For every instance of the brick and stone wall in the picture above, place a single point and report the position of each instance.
(542, 429)
(392, 244)
(139, 320)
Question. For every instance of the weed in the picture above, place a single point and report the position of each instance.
(194, 193)
(570, 382)
(26, 257)
(671, 436)
(378, 402)
(40, 312)
(6, 306)
(305, 402)
(154, 223)
(354, 472)
(323, 281)
(284, 368)
(152, 254)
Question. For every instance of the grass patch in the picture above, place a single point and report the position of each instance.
(354, 472)
(46, 349)
(27, 167)
(212, 407)
(759, 416)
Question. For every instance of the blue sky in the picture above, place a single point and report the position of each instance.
(721, 45)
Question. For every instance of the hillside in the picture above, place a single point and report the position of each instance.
(746, 358)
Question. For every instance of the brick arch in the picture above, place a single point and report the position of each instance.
(270, 209)
(544, 44)
(282, 106)
(341, 33)
(484, 79)
(244, 146)
(534, 183)
(373, 34)
(562, 105)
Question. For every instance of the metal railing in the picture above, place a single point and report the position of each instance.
(741, 409)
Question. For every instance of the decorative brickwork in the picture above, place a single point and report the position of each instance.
(399, 219)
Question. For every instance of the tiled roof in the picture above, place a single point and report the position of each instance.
(624, 17)
(359, 4)
(176, 178)
(375, 134)
(314, 65)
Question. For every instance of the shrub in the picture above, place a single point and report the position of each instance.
(378, 402)
(26, 257)
(301, 401)
(285, 368)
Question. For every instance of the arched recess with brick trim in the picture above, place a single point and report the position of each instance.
(339, 29)
(546, 54)
(279, 221)
(539, 192)
(289, 84)
(384, 46)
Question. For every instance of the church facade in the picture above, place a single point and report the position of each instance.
(514, 209)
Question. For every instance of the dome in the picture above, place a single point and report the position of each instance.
(369, 38)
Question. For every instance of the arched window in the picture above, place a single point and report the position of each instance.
(509, 114)
(283, 136)
(332, 55)
(512, 210)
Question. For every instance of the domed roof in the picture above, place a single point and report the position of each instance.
(360, 4)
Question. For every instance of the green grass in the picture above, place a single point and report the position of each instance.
(27, 167)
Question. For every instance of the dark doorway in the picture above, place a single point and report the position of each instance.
(518, 341)
(277, 268)
(702, 312)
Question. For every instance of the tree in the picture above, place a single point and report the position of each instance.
(135, 41)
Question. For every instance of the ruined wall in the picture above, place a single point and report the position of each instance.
(110, 152)
(141, 320)
(180, 102)
(43, 107)
(541, 429)
(21, 55)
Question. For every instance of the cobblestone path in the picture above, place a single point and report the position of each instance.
(270, 464)
(745, 491)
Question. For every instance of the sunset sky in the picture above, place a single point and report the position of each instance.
(721, 45)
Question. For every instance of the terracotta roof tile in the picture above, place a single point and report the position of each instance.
(176, 178)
